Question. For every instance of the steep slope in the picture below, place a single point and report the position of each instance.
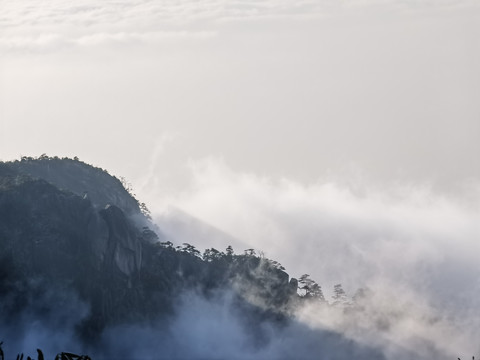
(122, 272)
(79, 178)
(84, 271)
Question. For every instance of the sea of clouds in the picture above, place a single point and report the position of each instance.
(413, 248)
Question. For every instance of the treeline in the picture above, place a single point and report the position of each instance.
(301, 288)
(59, 356)
(122, 180)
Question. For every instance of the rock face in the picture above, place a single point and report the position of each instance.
(93, 245)
(123, 248)
(81, 179)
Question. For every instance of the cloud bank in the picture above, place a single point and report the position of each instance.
(215, 329)
(52, 25)
(413, 248)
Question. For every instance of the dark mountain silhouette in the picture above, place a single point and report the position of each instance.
(71, 233)
(49, 229)
(75, 176)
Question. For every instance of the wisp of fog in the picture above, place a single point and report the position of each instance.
(412, 248)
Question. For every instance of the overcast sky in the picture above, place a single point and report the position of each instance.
(297, 89)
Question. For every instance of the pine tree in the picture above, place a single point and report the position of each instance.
(312, 289)
(339, 295)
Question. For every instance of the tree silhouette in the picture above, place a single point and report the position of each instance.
(339, 295)
(250, 252)
(312, 289)
(211, 254)
(189, 249)
(229, 251)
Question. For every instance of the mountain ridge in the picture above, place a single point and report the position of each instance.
(52, 231)
(95, 275)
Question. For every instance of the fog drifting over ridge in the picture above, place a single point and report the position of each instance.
(415, 249)
(285, 91)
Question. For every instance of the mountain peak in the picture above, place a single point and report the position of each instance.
(78, 177)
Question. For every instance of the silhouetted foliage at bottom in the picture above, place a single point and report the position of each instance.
(60, 356)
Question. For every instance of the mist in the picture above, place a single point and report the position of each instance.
(338, 138)
(405, 255)
(215, 328)
(413, 248)
(36, 314)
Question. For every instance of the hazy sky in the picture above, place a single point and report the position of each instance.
(277, 121)
(300, 89)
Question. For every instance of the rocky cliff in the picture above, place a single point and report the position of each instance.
(67, 225)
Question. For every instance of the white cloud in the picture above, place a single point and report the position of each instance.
(90, 21)
(46, 42)
(148, 37)
(42, 41)
(415, 249)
